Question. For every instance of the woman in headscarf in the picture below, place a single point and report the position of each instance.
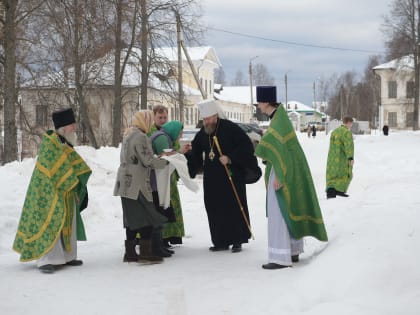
(166, 139)
(133, 186)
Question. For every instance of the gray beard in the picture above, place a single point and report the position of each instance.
(71, 137)
(209, 129)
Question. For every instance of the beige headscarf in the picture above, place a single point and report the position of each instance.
(143, 120)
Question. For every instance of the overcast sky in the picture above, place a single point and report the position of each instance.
(351, 24)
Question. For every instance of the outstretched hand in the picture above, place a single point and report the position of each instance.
(185, 148)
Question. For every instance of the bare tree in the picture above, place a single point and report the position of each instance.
(261, 75)
(402, 27)
(147, 25)
(219, 76)
(12, 26)
(351, 94)
(372, 95)
(239, 79)
(9, 92)
(72, 53)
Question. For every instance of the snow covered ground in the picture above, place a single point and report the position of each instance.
(371, 264)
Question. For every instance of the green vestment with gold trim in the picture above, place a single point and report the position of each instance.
(297, 198)
(340, 153)
(57, 186)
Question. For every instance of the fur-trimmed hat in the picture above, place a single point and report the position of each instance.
(63, 117)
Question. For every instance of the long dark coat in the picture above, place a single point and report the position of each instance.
(226, 222)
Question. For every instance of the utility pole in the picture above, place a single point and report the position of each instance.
(144, 51)
(285, 86)
(194, 72)
(341, 101)
(250, 85)
(180, 79)
(314, 88)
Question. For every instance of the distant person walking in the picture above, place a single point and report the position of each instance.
(309, 131)
(385, 130)
(292, 204)
(340, 160)
(313, 131)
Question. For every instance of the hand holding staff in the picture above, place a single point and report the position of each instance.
(233, 187)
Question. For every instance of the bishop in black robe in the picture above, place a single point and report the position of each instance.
(226, 220)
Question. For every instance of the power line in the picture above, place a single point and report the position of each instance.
(293, 43)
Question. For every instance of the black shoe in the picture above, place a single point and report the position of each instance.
(341, 194)
(167, 245)
(273, 266)
(295, 258)
(48, 268)
(236, 248)
(331, 193)
(170, 251)
(74, 262)
(218, 248)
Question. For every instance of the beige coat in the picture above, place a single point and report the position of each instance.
(136, 162)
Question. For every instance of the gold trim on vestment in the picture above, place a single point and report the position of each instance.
(279, 137)
(284, 186)
(44, 226)
(272, 148)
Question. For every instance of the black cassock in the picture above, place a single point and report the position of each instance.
(226, 221)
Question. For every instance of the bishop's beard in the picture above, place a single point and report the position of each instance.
(210, 128)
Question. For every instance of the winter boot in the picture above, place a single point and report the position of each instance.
(146, 252)
(157, 244)
(331, 193)
(342, 194)
(130, 254)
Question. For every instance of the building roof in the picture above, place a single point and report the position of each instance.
(299, 107)
(196, 54)
(403, 63)
(101, 71)
(236, 94)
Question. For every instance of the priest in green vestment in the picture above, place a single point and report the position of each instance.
(292, 204)
(340, 160)
(50, 221)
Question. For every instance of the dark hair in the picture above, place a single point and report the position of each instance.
(347, 119)
(159, 109)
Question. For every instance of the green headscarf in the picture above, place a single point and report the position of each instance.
(173, 128)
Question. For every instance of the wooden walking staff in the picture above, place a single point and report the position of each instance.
(234, 188)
